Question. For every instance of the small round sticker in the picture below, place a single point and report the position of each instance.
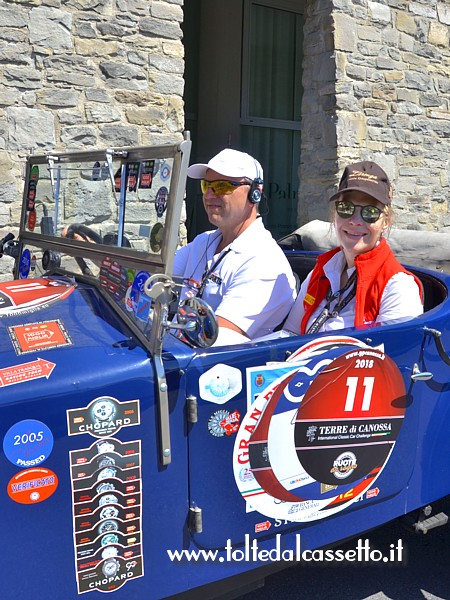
(165, 172)
(161, 200)
(32, 485)
(138, 287)
(28, 443)
(25, 264)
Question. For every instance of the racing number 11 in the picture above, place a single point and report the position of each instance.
(352, 384)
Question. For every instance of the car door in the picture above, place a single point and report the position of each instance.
(256, 463)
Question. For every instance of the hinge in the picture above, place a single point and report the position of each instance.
(192, 409)
(195, 519)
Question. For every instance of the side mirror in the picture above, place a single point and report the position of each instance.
(199, 326)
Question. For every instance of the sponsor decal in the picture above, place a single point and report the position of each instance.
(161, 200)
(26, 372)
(115, 279)
(146, 174)
(42, 335)
(259, 380)
(109, 575)
(140, 303)
(343, 465)
(264, 526)
(373, 492)
(106, 492)
(132, 176)
(222, 422)
(24, 297)
(32, 186)
(165, 172)
(220, 384)
(103, 417)
(31, 222)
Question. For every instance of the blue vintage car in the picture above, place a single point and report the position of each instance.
(141, 460)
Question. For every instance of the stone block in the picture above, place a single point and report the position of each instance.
(345, 36)
(13, 17)
(159, 28)
(119, 135)
(405, 22)
(351, 129)
(79, 136)
(101, 48)
(163, 10)
(51, 28)
(149, 115)
(59, 98)
(23, 78)
(124, 75)
(30, 129)
(380, 13)
(438, 35)
(102, 113)
(423, 10)
(443, 11)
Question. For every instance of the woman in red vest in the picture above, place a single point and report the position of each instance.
(360, 283)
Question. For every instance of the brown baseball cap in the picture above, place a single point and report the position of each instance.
(367, 177)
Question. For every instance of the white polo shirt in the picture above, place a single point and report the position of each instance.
(249, 283)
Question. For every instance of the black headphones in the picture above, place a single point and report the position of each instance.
(254, 193)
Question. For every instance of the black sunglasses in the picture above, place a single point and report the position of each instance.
(370, 214)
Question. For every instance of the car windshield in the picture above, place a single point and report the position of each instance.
(112, 215)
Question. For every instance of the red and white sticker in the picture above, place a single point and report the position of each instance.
(44, 335)
(32, 485)
(317, 437)
(18, 297)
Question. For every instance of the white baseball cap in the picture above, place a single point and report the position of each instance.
(229, 163)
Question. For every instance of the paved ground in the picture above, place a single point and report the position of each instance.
(424, 573)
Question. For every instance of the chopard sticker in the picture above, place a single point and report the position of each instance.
(110, 574)
(103, 417)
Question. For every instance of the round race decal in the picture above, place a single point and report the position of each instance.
(354, 403)
(28, 443)
(316, 438)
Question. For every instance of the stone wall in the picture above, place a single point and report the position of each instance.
(81, 74)
(377, 76)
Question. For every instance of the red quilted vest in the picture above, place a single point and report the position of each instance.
(373, 270)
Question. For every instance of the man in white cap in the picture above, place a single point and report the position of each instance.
(238, 268)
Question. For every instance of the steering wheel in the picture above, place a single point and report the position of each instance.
(88, 234)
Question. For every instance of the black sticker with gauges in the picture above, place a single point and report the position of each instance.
(103, 417)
